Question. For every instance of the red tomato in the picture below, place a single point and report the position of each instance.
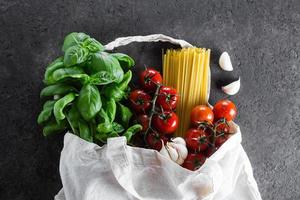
(197, 139)
(167, 98)
(209, 151)
(194, 161)
(140, 101)
(223, 128)
(166, 122)
(220, 140)
(149, 79)
(225, 109)
(144, 121)
(154, 140)
(202, 113)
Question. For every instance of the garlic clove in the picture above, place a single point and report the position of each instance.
(164, 151)
(232, 88)
(179, 140)
(172, 152)
(181, 151)
(225, 62)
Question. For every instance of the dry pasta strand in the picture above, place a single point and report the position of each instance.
(187, 71)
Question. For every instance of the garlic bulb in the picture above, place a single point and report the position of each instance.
(225, 62)
(179, 140)
(232, 88)
(175, 150)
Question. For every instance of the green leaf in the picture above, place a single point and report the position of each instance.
(102, 78)
(117, 128)
(92, 45)
(126, 79)
(73, 117)
(64, 74)
(84, 131)
(73, 39)
(104, 128)
(113, 134)
(75, 55)
(124, 60)
(46, 112)
(124, 114)
(89, 101)
(57, 89)
(102, 116)
(102, 136)
(52, 127)
(103, 61)
(112, 91)
(56, 64)
(131, 131)
(61, 104)
(111, 108)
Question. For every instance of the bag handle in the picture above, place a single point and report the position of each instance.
(122, 41)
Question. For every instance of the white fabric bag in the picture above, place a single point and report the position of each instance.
(117, 171)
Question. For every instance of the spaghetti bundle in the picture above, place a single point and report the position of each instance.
(187, 71)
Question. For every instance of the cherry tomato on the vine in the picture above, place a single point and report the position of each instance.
(221, 140)
(194, 161)
(225, 109)
(140, 101)
(166, 122)
(143, 120)
(197, 139)
(223, 128)
(149, 79)
(154, 140)
(167, 98)
(202, 113)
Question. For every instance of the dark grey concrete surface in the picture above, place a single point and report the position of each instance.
(262, 37)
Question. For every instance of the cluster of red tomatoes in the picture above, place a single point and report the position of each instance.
(154, 105)
(210, 130)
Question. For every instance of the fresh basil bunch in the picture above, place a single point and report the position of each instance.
(85, 90)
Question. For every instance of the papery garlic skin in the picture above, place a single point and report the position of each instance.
(179, 140)
(175, 151)
(232, 88)
(225, 62)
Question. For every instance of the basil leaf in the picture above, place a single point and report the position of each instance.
(92, 45)
(53, 127)
(73, 117)
(124, 60)
(131, 131)
(57, 89)
(103, 61)
(104, 128)
(64, 74)
(102, 78)
(56, 64)
(111, 108)
(46, 112)
(102, 136)
(126, 79)
(84, 131)
(75, 55)
(89, 101)
(61, 104)
(73, 39)
(124, 114)
(112, 91)
(117, 128)
(113, 134)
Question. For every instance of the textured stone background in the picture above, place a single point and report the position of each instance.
(263, 38)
